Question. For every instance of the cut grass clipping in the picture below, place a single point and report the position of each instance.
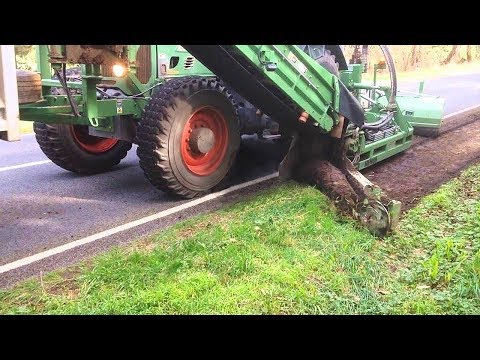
(284, 251)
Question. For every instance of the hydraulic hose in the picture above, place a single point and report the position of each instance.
(63, 82)
(377, 125)
(393, 76)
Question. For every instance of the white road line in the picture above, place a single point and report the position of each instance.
(62, 248)
(34, 163)
(461, 111)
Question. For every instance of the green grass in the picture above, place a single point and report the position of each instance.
(284, 251)
(26, 127)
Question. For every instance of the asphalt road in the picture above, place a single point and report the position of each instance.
(460, 91)
(44, 206)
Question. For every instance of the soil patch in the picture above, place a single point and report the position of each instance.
(430, 162)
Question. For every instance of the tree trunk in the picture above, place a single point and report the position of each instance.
(413, 56)
(356, 56)
(365, 58)
(469, 53)
(450, 56)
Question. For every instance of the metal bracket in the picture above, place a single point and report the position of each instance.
(63, 82)
(93, 122)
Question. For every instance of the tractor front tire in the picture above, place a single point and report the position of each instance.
(189, 136)
(73, 149)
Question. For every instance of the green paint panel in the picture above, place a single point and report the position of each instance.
(421, 110)
(174, 61)
(377, 151)
(299, 77)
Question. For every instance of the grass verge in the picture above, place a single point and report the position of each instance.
(284, 251)
(26, 127)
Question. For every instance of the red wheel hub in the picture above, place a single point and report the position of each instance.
(204, 141)
(90, 143)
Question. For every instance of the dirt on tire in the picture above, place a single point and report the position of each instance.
(429, 163)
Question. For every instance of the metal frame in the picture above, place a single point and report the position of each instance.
(101, 113)
(9, 111)
(308, 84)
(411, 110)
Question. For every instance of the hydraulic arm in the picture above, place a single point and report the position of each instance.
(310, 103)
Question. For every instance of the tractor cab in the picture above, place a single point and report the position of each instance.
(314, 51)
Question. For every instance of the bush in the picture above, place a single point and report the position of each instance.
(26, 57)
(410, 57)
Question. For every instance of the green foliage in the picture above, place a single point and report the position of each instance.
(420, 57)
(26, 57)
(26, 127)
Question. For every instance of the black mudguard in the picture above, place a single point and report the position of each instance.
(350, 107)
(339, 57)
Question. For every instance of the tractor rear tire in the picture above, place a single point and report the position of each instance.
(71, 148)
(189, 136)
(328, 61)
(426, 132)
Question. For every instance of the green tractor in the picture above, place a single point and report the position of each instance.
(188, 106)
(186, 122)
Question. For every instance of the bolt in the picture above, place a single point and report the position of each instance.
(303, 117)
